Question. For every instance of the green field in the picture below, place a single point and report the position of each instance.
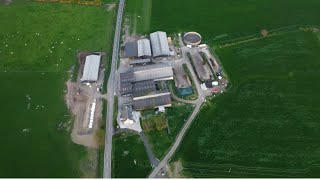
(39, 42)
(139, 14)
(269, 118)
(130, 158)
(160, 141)
(220, 20)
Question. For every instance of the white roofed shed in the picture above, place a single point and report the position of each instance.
(159, 43)
(91, 68)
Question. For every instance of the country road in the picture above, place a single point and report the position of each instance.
(111, 82)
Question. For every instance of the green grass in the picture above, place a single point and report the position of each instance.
(160, 141)
(141, 8)
(59, 27)
(220, 20)
(29, 30)
(127, 149)
(268, 119)
(44, 151)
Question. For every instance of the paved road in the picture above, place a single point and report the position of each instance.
(111, 83)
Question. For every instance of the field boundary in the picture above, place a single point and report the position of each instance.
(94, 2)
(206, 167)
(271, 33)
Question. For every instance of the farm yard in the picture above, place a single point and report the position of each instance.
(39, 44)
(266, 125)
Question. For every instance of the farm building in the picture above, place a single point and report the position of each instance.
(157, 72)
(135, 62)
(138, 49)
(91, 69)
(159, 44)
(152, 102)
(143, 87)
(126, 115)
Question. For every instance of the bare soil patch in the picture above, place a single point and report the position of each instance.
(110, 7)
(89, 164)
(79, 99)
(175, 170)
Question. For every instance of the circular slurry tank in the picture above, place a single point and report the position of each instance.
(192, 38)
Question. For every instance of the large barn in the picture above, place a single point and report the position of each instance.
(159, 44)
(91, 69)
(143, 76)
(138, 49)
(157, 72)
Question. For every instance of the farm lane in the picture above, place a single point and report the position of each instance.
(153, 160)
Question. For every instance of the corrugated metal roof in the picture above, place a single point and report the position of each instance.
(91, 68)
(152, 102)
(131, 49)
(139, 61)
(155, 72)
(144, 48)
(159, 43)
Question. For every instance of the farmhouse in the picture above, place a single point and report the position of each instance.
(91, 69)
(126, 115)
(159, 43)
(138, 49)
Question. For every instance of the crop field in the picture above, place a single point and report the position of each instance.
(160, 141)
(39, 42)
(139, 14)
(267, 124)
(221, 20)
(130, 158)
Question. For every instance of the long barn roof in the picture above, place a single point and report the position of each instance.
(159, 43)
(91, 68)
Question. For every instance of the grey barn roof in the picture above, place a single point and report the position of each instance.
(126, 112)
(91, 68)
(144, 48)
(131, 49)
(159, 43)
(140, 48)
(143, 87)
(154, 71)
(152, 102)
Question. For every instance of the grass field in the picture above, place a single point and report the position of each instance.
(38, 46)
(139, 14)
(160, 141)
(130, 158)
(267, 124)
(220, 20)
